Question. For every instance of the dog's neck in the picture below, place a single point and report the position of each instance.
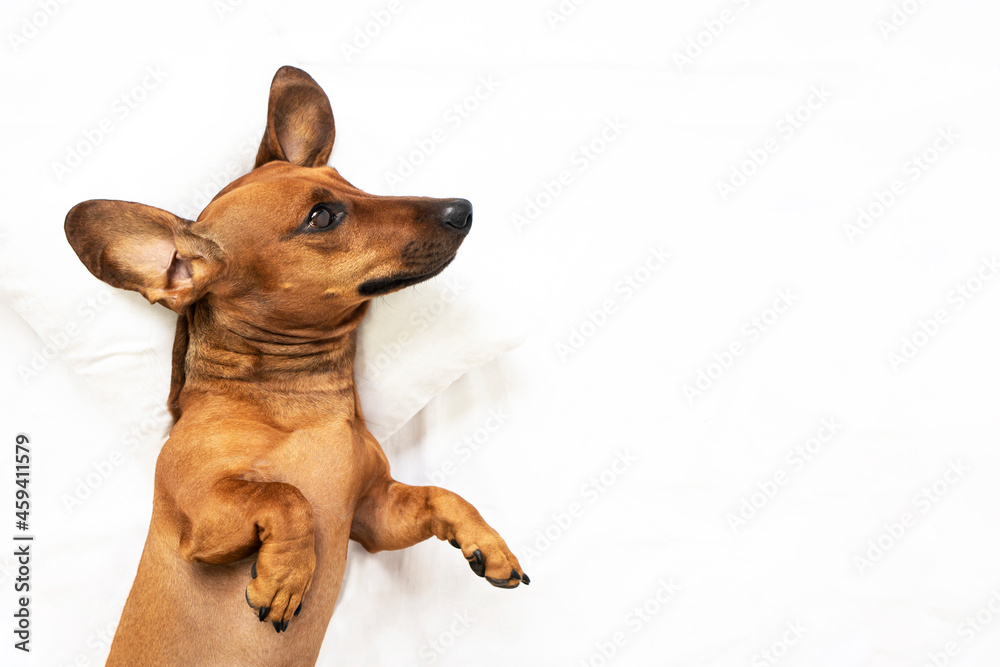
(223, 352)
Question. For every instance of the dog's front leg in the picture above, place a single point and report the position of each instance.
(396, 516)
(237, 517)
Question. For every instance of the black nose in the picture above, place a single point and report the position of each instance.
(457, 214)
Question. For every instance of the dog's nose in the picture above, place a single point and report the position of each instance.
(457, 214)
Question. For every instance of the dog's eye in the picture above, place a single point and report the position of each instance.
(323, 217)
(320, 218)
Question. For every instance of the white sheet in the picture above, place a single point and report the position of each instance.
(656, 533)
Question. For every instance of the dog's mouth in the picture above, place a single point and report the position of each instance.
(379, 286)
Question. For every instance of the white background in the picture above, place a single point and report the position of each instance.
(825, 551)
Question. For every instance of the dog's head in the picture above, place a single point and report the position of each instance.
(291, 246)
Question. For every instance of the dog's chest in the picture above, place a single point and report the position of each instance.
(326, 462)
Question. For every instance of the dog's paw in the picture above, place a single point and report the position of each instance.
(278, 584)
(489, 557)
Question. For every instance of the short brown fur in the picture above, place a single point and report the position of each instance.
(269, 469)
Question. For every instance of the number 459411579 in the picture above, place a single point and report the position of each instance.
(22, 461)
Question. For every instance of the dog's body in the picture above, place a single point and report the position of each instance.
(269, 469)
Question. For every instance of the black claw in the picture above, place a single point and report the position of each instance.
(297, 610)
(246, 594)
(263, 612)
(253, 570)
(454, 543)
(284, 625)
(476, 563)
(526, 580)
(514, 575)
(277, 625)
(500, 583)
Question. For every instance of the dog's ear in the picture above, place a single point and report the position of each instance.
(145, 249)
(300, 126)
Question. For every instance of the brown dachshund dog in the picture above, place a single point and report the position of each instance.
(269, 469)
